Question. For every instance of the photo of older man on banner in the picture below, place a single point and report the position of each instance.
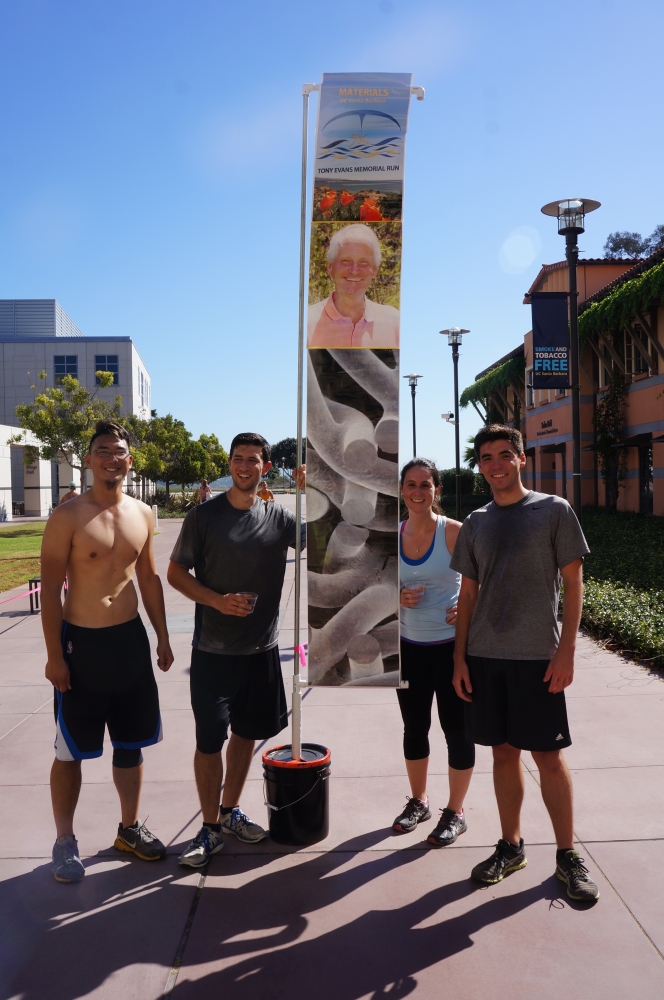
(353, 379)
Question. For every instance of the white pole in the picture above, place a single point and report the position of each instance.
(296, 738)
(155, 511)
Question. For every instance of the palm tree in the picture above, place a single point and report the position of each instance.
(469, 456)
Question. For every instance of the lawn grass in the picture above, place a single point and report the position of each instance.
(624, 595)
(20, 546)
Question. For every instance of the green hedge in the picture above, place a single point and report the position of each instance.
(624, 574)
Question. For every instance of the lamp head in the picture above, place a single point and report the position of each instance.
(571, 213)
(454, 335)
(412, 379)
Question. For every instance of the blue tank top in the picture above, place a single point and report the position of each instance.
(426, 623)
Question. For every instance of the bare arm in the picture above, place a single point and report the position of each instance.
(152, 593)
(465, 607)
(561, 668)
(182, 580)
(56, 546)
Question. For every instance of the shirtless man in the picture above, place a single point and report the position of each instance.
(71, 495)
(98, 651)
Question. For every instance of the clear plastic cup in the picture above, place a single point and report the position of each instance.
(250, 597)
(418, 590)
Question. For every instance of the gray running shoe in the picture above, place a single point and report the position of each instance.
(415, 812)
(449, 827)
(241, 826)
(206, 843)
(505, 859)
(67, 866)
(140, 841)
(572, 871)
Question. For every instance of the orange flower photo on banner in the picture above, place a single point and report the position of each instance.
(369, 212)
(327, 202)
(346, 198)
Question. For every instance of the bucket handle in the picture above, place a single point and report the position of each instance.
(270, 807)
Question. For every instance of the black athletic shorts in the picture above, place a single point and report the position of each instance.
(247, 691)
(511, 704)
(112, 684)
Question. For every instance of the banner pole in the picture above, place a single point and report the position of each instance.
(296, 730)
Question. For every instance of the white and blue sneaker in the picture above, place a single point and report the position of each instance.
(206, 843)
(67, 866)
(237, 823)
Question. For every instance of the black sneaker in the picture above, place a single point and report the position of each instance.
(140, 842)
(505, 859)
(571, 870)
(415, 812)
(449, 827)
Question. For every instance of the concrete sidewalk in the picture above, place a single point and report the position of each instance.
(364, 914)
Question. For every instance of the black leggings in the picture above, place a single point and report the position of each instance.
(429, 670)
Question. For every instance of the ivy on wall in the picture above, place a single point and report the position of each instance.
(497, 378)
(612, 314)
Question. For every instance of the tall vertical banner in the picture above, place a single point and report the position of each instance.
(551, 361)
(353, 379)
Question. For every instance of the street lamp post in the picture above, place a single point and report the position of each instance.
(412, 382)
(571, 213)
(454, 336)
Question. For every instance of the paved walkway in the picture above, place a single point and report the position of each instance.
(361, 916)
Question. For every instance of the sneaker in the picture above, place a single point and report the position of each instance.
(415, 812)
(505, 859)
(237, 823)
(206, 843)
(449, 827)
(138, 839)
(574, 873)
(67, 866)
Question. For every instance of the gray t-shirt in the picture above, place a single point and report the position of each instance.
(231, 551)
(516, 553)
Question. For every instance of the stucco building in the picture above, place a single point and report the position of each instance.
(37, 335)
(621, 327)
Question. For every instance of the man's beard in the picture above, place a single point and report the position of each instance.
(245, 486)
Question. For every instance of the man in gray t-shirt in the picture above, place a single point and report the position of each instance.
(237, 546)
(512, 662)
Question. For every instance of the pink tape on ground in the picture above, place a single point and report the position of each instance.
(25, 593)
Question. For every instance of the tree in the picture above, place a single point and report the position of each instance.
(216, 458)
(469, 456)
(625, 244)
(187, 464)
(63, 419)
(609, 422)
(157, 454)
(284, 453)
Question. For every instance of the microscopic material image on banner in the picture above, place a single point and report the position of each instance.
(353, 380)
(352, 516)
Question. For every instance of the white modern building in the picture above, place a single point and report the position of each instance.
(37, 335)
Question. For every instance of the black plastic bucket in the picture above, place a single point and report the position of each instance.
(297, 794)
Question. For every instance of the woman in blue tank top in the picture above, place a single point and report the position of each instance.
(429, 592)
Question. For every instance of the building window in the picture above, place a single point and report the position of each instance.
(530, 392)
(64, 364)
(108, 363)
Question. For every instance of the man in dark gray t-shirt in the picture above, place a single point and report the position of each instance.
(237, 546)
(512, 661)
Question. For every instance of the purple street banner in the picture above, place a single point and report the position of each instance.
(551, 361)
(353, 379)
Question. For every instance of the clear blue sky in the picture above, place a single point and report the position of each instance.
(149, 175)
